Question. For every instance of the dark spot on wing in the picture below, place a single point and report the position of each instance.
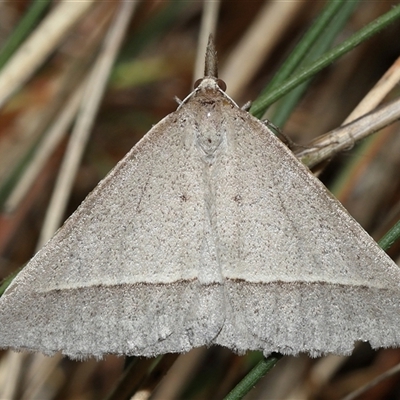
(238, 199)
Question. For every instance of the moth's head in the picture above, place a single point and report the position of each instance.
(210, 83)
(210, 80)
(210, 86)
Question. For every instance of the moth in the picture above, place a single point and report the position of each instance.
(209, 231)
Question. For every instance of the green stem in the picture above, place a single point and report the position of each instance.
(363, 34)
(248, 382)
(321, 46)
(23, 29)
(303, 47)
(390, 237)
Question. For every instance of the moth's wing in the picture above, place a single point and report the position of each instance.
(301, 274)
(121, 275)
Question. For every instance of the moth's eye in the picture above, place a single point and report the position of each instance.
(197, 83)
(221, 84)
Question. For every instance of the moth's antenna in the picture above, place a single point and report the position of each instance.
(211, 64)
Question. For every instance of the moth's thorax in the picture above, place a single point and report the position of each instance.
(209, 135)
(210, 103)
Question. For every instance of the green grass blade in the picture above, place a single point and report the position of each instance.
(24, 28)
(321, 45)
(302, 48)
(260, 105)
(390, 237)
(248, 382)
